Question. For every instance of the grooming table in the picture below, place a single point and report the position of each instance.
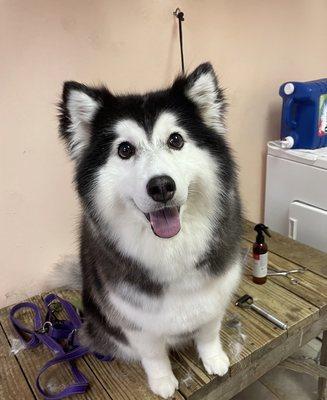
(254, 344)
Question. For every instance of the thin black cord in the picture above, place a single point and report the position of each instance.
(180, 15)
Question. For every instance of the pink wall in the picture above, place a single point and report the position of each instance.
(131, 45)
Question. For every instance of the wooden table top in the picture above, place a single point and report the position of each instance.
(248, 338)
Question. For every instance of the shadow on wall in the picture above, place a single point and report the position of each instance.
(271, 133)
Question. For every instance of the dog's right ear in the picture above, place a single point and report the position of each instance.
(77, 110)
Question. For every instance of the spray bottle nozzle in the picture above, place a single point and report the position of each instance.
(262, 228)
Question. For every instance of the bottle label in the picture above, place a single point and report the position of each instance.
(322, 122)
(260, 265)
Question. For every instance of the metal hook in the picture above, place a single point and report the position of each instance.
(179, 14)
(176, 12)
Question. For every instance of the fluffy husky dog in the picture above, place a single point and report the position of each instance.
(161, 220)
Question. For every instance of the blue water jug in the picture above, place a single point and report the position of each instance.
(304, 116)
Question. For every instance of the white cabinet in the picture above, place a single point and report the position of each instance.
(308, 224)
(296, 194)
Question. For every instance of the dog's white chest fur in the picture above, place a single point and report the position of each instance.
(184, 307)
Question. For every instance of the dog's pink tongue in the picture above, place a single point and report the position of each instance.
(165, 223)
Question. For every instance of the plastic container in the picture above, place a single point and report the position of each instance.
(304, 115)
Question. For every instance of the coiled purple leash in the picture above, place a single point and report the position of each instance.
(52, 333)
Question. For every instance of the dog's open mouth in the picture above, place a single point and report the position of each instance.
(165, 223)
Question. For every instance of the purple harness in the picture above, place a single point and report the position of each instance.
(52, 332)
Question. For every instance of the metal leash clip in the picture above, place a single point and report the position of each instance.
(45, 327)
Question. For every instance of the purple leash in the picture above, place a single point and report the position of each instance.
(51, 333)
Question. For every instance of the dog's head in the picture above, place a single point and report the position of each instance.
(145, 159)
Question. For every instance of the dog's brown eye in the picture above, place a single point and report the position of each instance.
(126, 150)
(175, 141)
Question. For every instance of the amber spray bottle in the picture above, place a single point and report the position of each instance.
(260, 255)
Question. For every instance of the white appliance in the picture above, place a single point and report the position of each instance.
(296, 194)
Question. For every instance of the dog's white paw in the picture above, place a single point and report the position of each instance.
(164, 386)
(217, 365)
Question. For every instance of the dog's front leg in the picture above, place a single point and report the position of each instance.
(154, 358)
(208, 343)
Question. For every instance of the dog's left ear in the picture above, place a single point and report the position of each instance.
(203, 90)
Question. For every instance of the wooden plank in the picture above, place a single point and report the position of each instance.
(13, 384)
(244, 343)
(193, 363)
(189, 381)
(256, 337)
(260, 336)
(127, 380)
(304, 366)
(311, 287)
(238, 341)
(322, 382)
(299, 253)
(283, 304)
(226, 389)
(32, 360)
(124, 381)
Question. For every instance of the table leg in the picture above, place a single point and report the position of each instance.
(322, 382)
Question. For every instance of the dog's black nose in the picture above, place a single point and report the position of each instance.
(161, 188)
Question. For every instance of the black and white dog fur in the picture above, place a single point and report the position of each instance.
(161, 220)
